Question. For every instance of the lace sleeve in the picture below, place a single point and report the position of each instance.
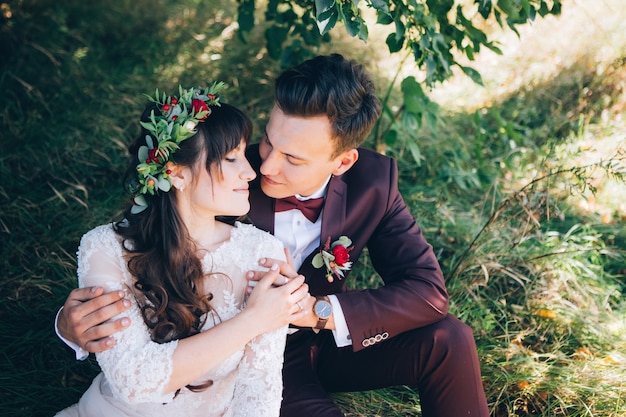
(258, 390)
(137, 368)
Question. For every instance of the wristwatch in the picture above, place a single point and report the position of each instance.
(322, 309)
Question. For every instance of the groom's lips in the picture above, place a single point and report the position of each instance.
(269, 181)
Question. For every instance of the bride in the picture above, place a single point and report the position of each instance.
(197, 346)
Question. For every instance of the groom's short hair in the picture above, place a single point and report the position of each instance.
(333, 86)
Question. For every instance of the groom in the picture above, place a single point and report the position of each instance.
(318, 189)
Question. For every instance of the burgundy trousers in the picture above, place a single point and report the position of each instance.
(440, 360)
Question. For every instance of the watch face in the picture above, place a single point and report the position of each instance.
(323, 309)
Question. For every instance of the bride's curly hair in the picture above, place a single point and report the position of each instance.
(161, 254)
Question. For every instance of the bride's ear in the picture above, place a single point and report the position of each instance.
(177, 175)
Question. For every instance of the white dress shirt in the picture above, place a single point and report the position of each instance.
(81, 354)
(302, 237)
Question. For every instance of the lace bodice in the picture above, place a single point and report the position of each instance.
(136, 370)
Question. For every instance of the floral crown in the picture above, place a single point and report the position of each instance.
(176, 122)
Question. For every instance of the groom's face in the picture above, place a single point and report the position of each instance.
(297, 155)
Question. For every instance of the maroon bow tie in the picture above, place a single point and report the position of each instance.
(310, 208)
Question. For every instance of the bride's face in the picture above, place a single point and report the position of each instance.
(225, 191)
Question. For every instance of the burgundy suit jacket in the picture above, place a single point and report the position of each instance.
(365, 205)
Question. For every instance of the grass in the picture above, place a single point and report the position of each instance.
(513, 189)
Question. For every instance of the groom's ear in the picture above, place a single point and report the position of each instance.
(345, 161)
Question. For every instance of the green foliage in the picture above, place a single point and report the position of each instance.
(540, 281)
(496, 190)
(432, 31)
(435, 33)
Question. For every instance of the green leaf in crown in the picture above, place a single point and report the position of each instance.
(177, 121)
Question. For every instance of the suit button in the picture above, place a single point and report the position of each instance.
(365, 343)
(378, 338)
(385, 335)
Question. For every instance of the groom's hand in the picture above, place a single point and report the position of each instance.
(286, 270)
(86, 318)
(286, 273)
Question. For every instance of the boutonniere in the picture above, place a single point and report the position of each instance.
(335, 256)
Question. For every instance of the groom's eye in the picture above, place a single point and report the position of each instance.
(293, 161)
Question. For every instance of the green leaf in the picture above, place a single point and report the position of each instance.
(275, 36)
(484, 8)
(383, 19)
(363, 31)
(415, 152)
(323, 6)
(380, 5)
(245, 15)
(400, 29)
(432, 115)
(327, 257)
(271, 10)
(352, 27)
(393, 43)
(391, 137)
(343, 241)
(508, 7)
(413, 95)
(137, 209)
(322, 17)
(473, 74)
(526, 7)
(352, 19)
(325, 26)
(163, 184)
(440, 7)
(493, 47)
(140, 200)
(317, 261)
(411, 121)
(142, 153)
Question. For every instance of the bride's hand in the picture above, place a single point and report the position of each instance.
(276, 306)
(286, 269)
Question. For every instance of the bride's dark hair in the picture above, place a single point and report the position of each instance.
(161, 255)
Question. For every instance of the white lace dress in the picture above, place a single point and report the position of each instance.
(136, 370)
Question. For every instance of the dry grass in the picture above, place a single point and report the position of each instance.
(560, 84)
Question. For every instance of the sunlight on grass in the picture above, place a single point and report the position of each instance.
(587, 31)
(532, 248)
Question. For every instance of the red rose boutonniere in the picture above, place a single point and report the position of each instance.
(335, 257)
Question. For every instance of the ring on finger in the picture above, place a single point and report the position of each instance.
(299, 305)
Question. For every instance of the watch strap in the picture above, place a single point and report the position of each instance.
(321, 323)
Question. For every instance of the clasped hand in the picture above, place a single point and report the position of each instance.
(287, 272)
(87, 315)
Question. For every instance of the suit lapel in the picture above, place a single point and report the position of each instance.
(334, 214)
(333, 220)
